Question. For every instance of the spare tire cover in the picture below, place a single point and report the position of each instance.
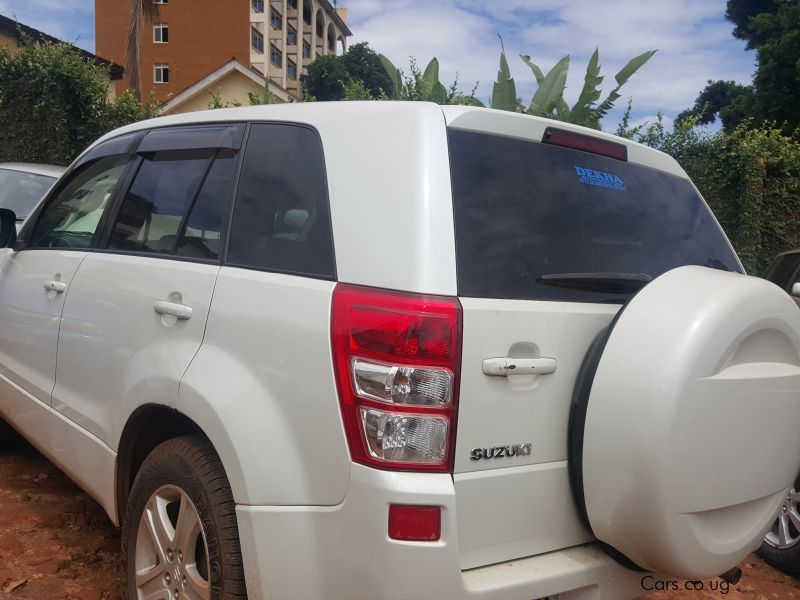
(692, 428)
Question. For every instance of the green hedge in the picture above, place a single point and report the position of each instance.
(54, 103)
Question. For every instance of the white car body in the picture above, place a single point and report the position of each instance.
(85, 364)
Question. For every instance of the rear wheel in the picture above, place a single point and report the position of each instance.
(781, 546)
(179, 536)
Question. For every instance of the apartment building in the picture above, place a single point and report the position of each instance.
(286, 35)
(186, 42)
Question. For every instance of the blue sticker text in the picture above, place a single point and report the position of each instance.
(600, 178)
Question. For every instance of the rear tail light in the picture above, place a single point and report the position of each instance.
(397, 358)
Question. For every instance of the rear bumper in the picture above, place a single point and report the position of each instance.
(344, 552)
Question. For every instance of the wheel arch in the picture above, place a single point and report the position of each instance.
(147, 427)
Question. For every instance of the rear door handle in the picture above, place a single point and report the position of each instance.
(59, 287)
(503, 367)
(180, 311)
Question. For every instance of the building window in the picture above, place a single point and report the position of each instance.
(160, 1)
(275, 56)
(291, 36)
(275, 18)
(307, 15)
(293, 4)
(257, 40)
(257, 5)
(306, 50)
(331, 44)
(161, 33)
(291, 68)
(161, 74)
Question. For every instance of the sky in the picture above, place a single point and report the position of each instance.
(693, 40)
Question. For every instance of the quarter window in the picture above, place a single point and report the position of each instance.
(71, 220)
(161, 74)
(281, 219)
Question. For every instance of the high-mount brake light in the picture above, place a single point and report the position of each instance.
(397, 359)
(587, 143)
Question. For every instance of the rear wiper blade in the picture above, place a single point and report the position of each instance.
(619, 283)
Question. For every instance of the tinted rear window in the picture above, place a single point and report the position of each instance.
(524, 210)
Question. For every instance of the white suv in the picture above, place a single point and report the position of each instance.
(377, 350)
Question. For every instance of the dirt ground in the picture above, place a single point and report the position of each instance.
(57, 544)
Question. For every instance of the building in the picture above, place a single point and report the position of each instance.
(10, 40)
(187, 45)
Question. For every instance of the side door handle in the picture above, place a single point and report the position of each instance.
(59, 287)
(180, 311)
(503, 367)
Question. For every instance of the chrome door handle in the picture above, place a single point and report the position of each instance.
(58, 287)
(180, 311)
(503, 367)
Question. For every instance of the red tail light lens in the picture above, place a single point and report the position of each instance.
(397, 359)
(587, 143)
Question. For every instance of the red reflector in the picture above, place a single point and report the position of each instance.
(587, 143)
(415, 523)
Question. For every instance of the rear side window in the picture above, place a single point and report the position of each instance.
(153, 209)
(281, 219)
(538, 222)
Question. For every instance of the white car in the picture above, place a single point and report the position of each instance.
(398, 350)
(22, 186)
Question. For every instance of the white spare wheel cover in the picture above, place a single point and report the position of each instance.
(692, 425)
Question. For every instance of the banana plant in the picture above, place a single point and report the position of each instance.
(548, 101)
(425, 85)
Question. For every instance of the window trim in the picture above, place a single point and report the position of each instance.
(226, 243)
(160, 27)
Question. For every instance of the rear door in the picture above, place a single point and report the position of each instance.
(550, 242)
(137, 307)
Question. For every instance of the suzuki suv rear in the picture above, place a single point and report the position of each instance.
(393, 350)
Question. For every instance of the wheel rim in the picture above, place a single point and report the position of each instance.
(171, 556)
(785, 531)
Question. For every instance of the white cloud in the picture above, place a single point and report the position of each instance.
(693, 39)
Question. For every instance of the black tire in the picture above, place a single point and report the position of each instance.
(787, 559)
(186, 465)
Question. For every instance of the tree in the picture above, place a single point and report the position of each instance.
(727, 100)
(772, 28)
(335, 77)
(363, 64)
(143, 12)
(425, 86)
(54, 103)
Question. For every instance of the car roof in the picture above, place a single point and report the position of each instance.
(36, 169)
(373, 114)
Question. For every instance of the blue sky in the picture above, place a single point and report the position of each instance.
(693, 39)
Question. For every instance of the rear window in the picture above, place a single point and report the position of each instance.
(21, 192)
(532, 219)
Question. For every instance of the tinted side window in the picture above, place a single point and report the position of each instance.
(281, 219)
(202, 235)
(72, 218)
(783, 273)
(153, 209)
